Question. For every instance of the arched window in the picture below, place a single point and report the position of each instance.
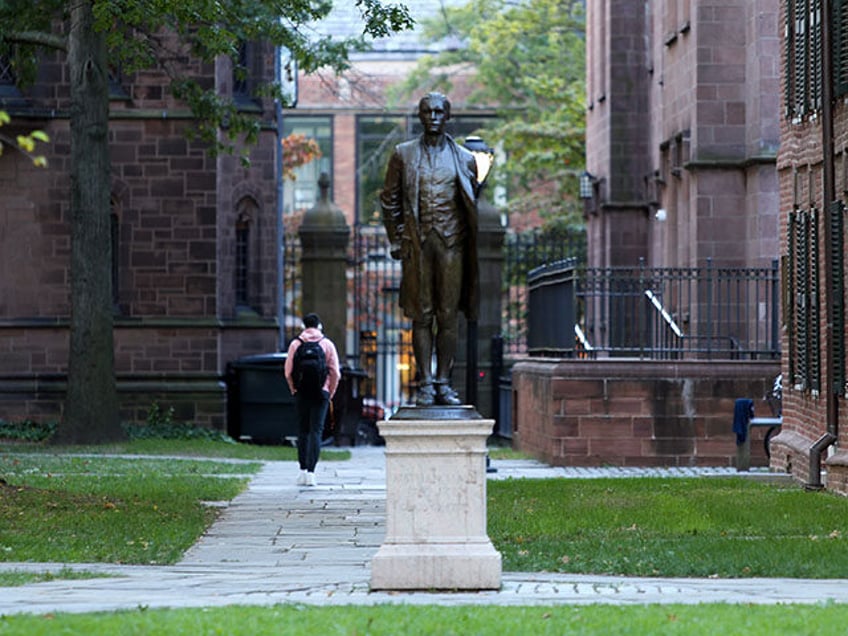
(242, 260)
(244, 267)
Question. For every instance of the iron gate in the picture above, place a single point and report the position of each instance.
(383, 336)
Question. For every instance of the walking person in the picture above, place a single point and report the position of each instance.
(312, 372)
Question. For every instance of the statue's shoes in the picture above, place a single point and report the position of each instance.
(426, 395)
(446, 396)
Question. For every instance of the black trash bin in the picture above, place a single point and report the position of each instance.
(347, 406)
(260, 407)
(551, 309)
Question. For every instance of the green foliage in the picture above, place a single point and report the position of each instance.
(668, 527)
(161, 425)
(24, 143)
(136, 30)
(27, 430)
(528, 61)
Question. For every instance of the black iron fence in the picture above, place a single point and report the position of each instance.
(382, 344)
(656, 313)
(524, 252)
(642, 312)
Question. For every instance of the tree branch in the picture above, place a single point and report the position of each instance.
(39, 38)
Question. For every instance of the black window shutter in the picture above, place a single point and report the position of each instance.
(814, 328)
(837, 253)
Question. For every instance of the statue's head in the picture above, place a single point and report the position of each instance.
(434, 112)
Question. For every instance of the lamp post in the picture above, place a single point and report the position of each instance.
(485, 158)
(587, 185)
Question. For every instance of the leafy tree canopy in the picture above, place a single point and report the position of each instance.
(527, 58)
(205, 29)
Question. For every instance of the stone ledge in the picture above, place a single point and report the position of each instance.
(793, 441)
(840, 458)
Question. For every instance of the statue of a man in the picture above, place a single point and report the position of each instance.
(429, 203)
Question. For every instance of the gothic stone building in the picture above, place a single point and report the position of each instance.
(682, 132)
(193, 238)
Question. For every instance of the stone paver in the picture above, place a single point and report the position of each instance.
(280, 543)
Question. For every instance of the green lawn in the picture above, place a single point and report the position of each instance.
(58, 506)
(150, 509)
(650, 620)
(726, 527)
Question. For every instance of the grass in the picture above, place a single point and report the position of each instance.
(109, 509)
(183, 448)
(728, 527)
(149, 508)
(56, 506)
(18, 577)
(688, 620)
(504, 452)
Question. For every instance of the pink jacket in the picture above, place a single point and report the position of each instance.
(330, 354)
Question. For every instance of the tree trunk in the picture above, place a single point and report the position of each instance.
(91, 410)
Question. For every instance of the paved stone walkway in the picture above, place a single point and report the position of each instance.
(281, 543)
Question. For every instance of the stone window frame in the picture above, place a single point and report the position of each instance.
(241, 268)
(245, 70)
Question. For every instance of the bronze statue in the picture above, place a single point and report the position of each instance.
(429, 203)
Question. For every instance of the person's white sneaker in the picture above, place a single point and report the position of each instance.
(301, 478)
(310, 479)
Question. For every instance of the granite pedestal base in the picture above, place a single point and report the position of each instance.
(436, 503)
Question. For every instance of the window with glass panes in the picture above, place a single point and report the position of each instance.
(376, 137)
(302, 193)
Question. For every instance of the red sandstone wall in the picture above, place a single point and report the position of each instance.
(635, 413)
(177, 324)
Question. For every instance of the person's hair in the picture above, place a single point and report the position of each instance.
(311, 321)
(435, 96)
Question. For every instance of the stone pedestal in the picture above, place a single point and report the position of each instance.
(436, 503)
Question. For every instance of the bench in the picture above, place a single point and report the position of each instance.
(743, 450)
(774, 399)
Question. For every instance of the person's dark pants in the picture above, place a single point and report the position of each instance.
(311, 414)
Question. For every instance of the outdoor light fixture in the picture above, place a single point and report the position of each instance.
(587, 185)
(483, 155)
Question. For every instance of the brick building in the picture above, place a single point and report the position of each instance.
(682, 132)
(713, 133)
(193, 238)
(813, 175)
(682, 135)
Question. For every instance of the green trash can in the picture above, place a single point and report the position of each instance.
(260, 406)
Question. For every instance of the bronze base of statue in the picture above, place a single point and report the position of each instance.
(437, 412)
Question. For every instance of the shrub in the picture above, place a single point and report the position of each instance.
(27, 430)
(161, 425)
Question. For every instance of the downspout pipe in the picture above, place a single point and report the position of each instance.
(816, 450)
